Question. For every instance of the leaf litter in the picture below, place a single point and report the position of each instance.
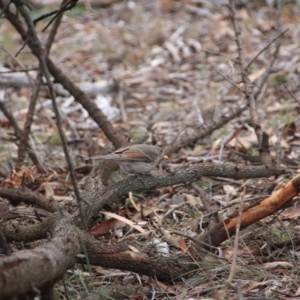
(167, 59)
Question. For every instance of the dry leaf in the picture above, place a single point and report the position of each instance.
(193, 201)
(107, 226)
(126, 221)
(183, 246)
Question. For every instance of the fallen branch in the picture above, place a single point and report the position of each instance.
(262, 209)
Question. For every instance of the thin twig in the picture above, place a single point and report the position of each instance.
(278, 145)
(231, 204)
(65, 6)
(261, 82)
(165, 234)
(293, 96)
(259, 85)
(199, 242)
(262, 136)
(18, 131)
(204, 132)
(230, 81)
(265, 48)
(49, 14)
(31, 80)
(53, 32)
(236, 238)
(206, 200)
(11, 119)
(22, 47)
(24, 138)
(120, 99)
(42, 59)
(241, 60)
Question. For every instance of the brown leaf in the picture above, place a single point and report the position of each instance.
(105, 227)
(183, 246)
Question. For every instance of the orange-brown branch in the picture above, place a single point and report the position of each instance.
(264, 208)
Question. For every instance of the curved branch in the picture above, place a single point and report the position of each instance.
(33, 232)
(262, 209)
(18, 195)
(46, 263)
(115, 191)
(203, 133)
(120, 256)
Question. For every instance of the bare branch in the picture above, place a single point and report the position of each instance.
(265, 48)
(24, 138)
(42, 59)
(95, 113)
(18, 132)
(289, 91)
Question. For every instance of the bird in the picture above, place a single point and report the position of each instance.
(135, 159)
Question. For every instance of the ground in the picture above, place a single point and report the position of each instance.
(167, 69)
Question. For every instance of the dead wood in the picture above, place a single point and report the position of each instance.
(119, 256)
(19, 195)
(87, 3)
(49, 261)
(40, 266)
(262, 209)
(65, 240)
(115, 191)
(31, 232)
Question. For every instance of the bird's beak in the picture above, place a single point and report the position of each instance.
(165, 157)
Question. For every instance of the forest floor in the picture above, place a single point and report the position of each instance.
(162, 70)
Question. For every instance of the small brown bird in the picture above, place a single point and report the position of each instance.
(136, 159)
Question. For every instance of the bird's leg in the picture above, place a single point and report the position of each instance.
(139, 177)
